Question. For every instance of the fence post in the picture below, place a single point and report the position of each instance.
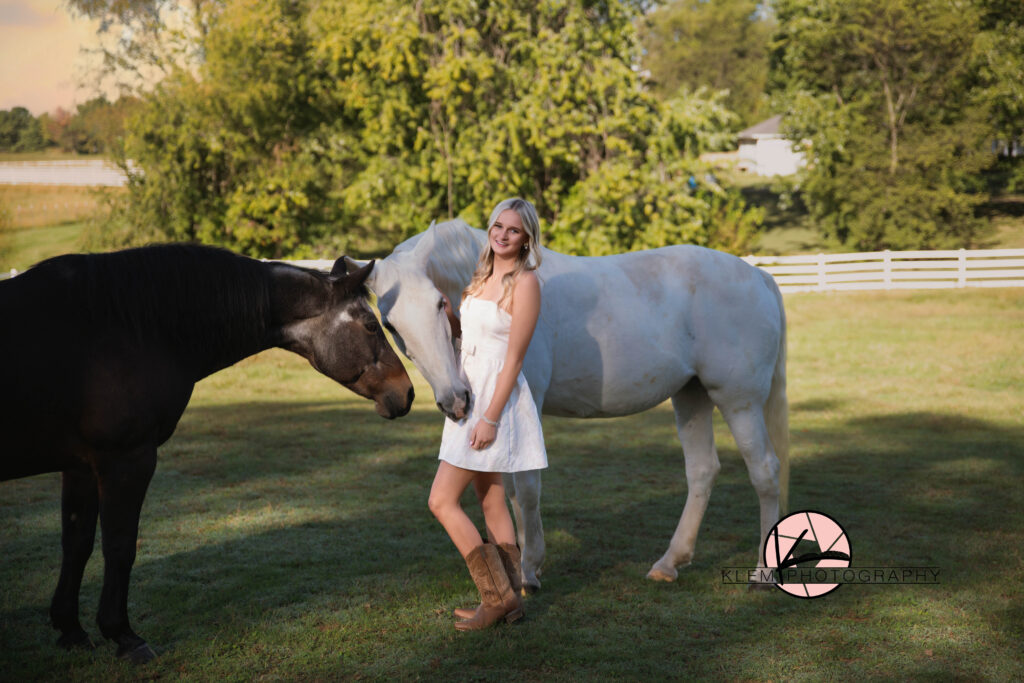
(961, 259)
(887, 269)
(822, 282)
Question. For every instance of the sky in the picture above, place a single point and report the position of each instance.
(40, 55)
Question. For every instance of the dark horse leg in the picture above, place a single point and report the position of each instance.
(79, 507)
(122, 487)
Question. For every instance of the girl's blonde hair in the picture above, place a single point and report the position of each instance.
(528, 258)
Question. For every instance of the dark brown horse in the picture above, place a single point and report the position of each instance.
(98, 358)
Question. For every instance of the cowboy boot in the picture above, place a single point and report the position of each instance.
(497, 601)
(510, 558)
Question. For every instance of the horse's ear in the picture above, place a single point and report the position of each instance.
(340, 268)
(426, 243)
(357, 278)
(345, 265)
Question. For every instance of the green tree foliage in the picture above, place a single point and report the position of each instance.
(349, 125)
(641, 201)
(96, 127)
(1000, 71)
(20, 131)
(887, 94)
(719, 44)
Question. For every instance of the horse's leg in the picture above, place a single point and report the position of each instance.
(523, 490)
(79, 508)
(122, 489)
(747, 424)
(693, 411)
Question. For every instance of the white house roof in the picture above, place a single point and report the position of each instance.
(767, 128)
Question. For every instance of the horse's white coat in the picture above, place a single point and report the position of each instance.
(618, 335)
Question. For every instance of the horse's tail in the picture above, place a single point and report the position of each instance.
(777, 407)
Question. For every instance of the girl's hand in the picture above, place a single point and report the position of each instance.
(482, 436)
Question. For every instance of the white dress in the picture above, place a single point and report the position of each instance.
(519, 444)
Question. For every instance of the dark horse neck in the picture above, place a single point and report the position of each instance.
(207, 307)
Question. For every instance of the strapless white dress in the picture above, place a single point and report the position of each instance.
(519, 444)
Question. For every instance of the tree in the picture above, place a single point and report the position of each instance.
(96, 127)
(311, 128)
(999, 66)
(147, 40)
(718, 44)
(885, 93)
(20, 131)
(654, 199)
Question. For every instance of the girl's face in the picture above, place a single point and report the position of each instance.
(507, 235)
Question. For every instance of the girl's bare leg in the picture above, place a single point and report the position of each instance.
(449, 483)
(491, 492)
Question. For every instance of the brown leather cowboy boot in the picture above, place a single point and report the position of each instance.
(497, 601)
(510, 558)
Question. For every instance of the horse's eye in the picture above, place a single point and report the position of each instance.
(371, 326)
(440, 305)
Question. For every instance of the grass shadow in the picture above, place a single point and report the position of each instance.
(333, 568)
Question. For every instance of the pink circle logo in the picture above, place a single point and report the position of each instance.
(805, 550)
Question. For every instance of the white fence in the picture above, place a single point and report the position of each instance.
(879, 270)
(69, 172)
(873, 270)
(895, 270)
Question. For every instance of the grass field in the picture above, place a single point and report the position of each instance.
(286, 535)
(40, 221)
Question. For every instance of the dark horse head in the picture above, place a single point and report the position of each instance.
(327, 321)
(99, 357)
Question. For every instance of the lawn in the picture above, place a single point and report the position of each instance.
(40, 221)
(286, 534)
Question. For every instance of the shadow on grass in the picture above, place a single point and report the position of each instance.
(366, 587)
(1006, 205)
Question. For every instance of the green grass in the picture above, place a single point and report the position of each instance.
(20, 249)
(40, 221)
(286, 534)
(41, 206)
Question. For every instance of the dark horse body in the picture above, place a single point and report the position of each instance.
(98, 358)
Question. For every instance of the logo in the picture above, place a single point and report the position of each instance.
(805, 549)
(807, 555)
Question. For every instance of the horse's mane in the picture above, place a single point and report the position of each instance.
(200, 300)
(454, 253)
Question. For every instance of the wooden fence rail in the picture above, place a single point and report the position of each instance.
(895, 270)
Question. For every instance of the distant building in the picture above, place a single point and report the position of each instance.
(763, 150)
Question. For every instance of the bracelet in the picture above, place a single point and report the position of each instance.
(490, 422)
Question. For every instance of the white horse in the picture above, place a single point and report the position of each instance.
(618, 335)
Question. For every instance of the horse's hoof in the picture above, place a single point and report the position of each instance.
(760, 586)
(658, 574)
(139, 655)
(79, 640)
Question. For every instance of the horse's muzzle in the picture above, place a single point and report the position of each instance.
(394, 404)
(458, 408)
